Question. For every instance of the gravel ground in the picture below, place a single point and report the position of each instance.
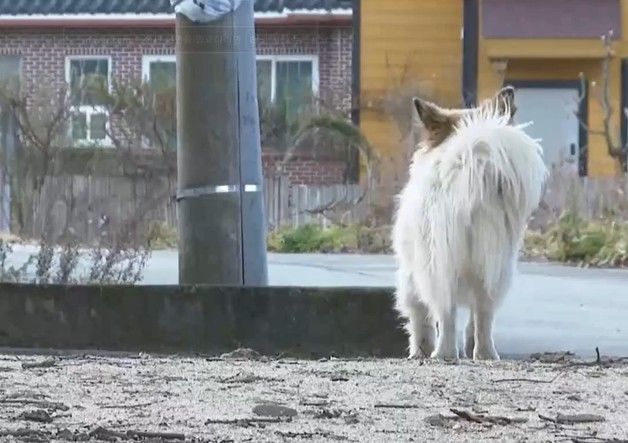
(244, 397)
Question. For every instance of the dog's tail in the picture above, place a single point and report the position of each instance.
(495, 157)
(493, 175)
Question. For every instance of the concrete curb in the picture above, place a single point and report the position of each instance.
(304, 322)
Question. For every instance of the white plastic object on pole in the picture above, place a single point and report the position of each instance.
(204, 11)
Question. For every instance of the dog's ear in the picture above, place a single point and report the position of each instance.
(505, 101)
(438, 123)
(430, 115)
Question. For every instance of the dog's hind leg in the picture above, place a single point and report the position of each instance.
(447, 346)
(420, 331)
(419, 325)
(483, 315)
(485, 302)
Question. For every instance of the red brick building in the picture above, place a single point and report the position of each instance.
(300, 44)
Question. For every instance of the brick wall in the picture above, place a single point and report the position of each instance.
(43, 54)
(305, 170)
(334, 48)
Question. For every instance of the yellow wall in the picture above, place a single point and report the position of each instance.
(562, 59)
(415, 45)
(599, 162)
(411, 44)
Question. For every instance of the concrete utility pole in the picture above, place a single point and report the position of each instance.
(222, 228)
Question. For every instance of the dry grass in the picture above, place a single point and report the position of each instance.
(599, 242)
(580, 221)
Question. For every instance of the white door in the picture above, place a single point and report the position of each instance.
(552, 112)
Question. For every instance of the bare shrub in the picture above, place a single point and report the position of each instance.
(322, 131)
(139, 130)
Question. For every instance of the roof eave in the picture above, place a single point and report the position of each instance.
(296, 17)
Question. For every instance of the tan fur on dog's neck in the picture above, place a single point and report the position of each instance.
(439, 123)
(438, 131)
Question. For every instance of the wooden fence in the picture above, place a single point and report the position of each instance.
(90, 206)
(295, 205)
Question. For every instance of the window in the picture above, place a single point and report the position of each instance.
(288, 78)
(160, 73)
(9, 71)
(278, 77)
(10, 67)
(89, 80)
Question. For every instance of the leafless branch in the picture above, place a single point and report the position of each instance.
(527, 380)
(396, 406)
(245, 421)
(599, 361)
(615, 149)
(481, 418)
(320, 126)
(573, 418)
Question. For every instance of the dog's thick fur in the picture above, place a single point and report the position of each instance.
(474, 182)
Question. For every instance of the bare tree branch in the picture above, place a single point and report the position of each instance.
(615, 149)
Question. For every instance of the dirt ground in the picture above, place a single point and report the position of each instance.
(243, 397)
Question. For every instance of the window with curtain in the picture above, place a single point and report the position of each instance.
(294, 85)
(88, 78)
(286, 87)
(288, 80)
(160, 72)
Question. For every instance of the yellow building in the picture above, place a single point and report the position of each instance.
(460, 51)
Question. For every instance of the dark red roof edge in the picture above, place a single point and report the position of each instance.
(292, 19)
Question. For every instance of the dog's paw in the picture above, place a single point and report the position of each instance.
(417, 353)
(427, 346)
(445, 354)
(421, 348)
(485, 354)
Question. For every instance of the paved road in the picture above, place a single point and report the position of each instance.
(550, 307)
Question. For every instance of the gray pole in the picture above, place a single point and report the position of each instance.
(219, 166)
(253, 217)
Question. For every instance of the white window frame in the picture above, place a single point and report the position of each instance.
(89, 110)
(290, 58)
(148, 59)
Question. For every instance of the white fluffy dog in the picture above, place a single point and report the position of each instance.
(474, 182)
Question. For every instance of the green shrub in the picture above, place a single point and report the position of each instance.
(309, 238)
(336, 239)
(602, 242)
(162, 236)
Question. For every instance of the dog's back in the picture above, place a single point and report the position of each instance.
(462, 214)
